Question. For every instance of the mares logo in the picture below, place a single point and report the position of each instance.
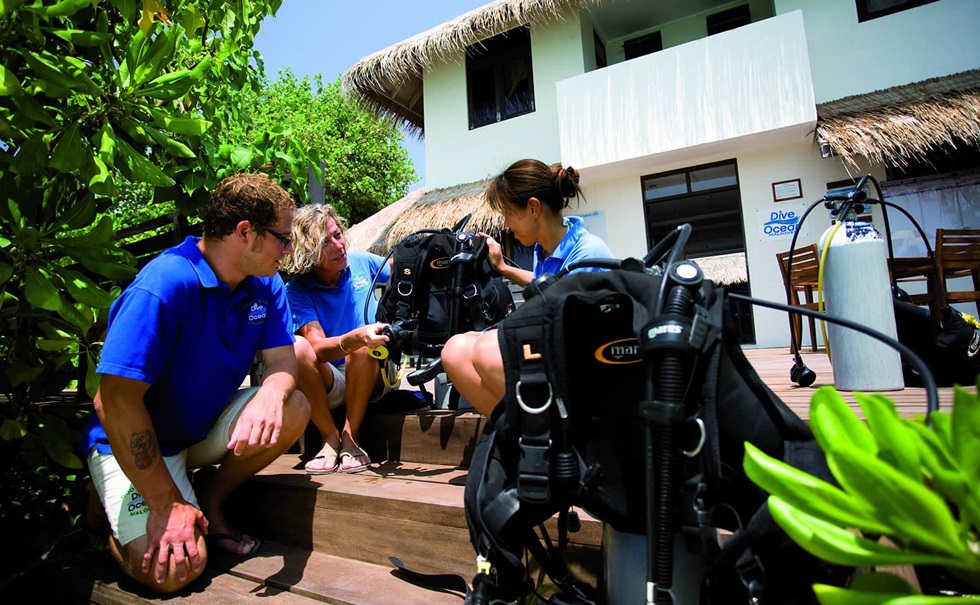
(440, 263)
(781, 223)
(622, 351)
(257, 313)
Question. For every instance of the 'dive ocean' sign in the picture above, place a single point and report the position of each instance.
(778, 223)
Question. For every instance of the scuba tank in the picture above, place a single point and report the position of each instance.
(856, 287)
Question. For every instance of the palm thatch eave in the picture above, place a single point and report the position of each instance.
(905, 122)
(389, 81)
(426, 209)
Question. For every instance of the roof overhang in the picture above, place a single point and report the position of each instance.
(897, 124)
(390, 80)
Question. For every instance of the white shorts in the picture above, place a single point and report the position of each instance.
(336, 396)
(125, 507)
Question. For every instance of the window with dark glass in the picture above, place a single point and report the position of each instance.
(600, 52)
(644, 45)
(872, 9)
(498, 78)
(728, 19)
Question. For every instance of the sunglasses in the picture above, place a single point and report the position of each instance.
(285, 241)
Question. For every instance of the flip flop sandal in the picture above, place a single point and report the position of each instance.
(353, 453)
(324, 470)
(213, 539)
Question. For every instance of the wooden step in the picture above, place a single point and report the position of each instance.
(331, 579)
(411, 511)
(444, 437)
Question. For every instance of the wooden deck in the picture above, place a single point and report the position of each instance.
(773, 366)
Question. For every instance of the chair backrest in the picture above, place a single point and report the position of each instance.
(958, 254)
(805, 267)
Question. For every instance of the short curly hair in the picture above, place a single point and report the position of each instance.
(310, 236)
(244, 197)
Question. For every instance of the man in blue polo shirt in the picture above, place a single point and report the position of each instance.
(327, 298)
(180, 342)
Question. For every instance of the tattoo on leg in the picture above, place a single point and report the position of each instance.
(144, 449)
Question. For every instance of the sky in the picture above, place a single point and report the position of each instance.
(329, 36)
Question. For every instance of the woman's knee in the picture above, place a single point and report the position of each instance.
(458, 352)
(487, 360)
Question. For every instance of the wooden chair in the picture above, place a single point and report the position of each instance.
(918, 268)
(958, 255)
(801, 279)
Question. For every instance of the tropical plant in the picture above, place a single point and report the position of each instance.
(916, 484)
(365, 168)
(100, 99)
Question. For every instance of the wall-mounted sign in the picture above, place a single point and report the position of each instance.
(787, 190)
(778, 222)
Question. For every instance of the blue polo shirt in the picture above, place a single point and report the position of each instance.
(187, 334)
(577, 244)
(340, 308)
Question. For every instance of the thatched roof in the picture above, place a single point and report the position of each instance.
(390, 80)
(724, 269)
(424, 209)
(890, 126)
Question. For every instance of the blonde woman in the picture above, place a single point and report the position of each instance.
(326, 296)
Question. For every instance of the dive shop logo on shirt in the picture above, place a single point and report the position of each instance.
(257, 313)
(359, 282)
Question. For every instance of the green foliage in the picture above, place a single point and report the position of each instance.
(918, 486)
(365, 167)
(106, 108)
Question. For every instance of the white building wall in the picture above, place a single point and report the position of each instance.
(849, 58)
(455, 154)
(749, 81)
(620, 200)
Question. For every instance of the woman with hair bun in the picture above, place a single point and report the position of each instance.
(531, 196)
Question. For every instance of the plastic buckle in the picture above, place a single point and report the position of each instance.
(534, 467)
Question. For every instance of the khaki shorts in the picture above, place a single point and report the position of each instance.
(124, 506)
(336, 396)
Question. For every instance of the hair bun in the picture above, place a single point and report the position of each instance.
(567, 181)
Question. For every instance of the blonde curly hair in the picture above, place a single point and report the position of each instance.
(310, 236)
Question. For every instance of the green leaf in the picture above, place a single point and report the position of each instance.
(28, 107)
(839, 546)
(32, 156)
(99, 235)
(39, 290)
(127, 8)
(808, 493)
(241, 158)
(885, 583)
(79, 213)
(160, 53)
(75, 317)
(833, 595)
(69, 152)
(83, 289)
(65, 8)
(58, 445)
(833, 421)
(896, 445)
(9, 84)
(911, 509)
(113, 270)
(105, 143)
(942, 424)
(51, 344)
(5, 272)
(12, 429)
(91, 377)
(81, 37)
(9, 6)
(173, 85)
(966, 432)
(65, 72)
(172, 146)
(185, 126)
(139, 169)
